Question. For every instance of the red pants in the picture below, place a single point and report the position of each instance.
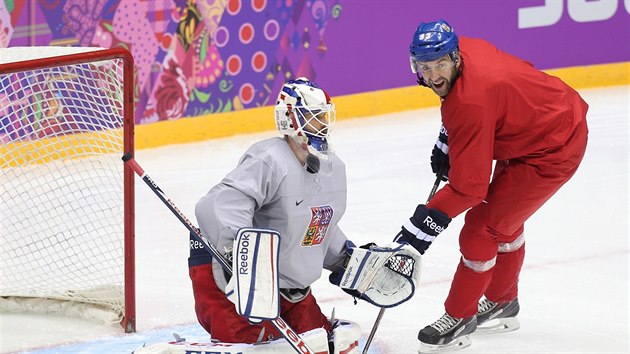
(218, 315)
(517, 190)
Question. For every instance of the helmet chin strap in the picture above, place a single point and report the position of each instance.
(312, 163)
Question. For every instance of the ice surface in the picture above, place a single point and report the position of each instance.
(574, 283)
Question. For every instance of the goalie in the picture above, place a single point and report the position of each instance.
(276, 217)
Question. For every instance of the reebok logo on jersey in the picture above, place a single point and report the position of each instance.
(321, 216)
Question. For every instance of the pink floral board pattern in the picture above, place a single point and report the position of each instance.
(193, 57)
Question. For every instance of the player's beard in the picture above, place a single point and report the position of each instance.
(442, 86)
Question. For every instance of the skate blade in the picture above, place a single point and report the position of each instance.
(457, 344)
(501, 325)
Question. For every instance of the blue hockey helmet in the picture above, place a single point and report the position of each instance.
(433, 40)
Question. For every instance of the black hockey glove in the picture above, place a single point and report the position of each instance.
(422, 228)
(439, 155)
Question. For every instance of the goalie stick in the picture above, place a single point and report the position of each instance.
(377, 322)
(287, 332)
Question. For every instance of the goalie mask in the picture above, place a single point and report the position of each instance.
(304, 113)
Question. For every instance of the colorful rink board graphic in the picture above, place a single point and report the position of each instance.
(50, 103)
(192, 57)
(195, 57)
(208, 58)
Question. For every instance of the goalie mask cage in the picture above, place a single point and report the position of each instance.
(66, 198)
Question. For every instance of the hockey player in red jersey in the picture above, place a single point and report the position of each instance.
(495, 108)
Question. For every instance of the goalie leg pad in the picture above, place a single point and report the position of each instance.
(345, 337)
(254, 287)
(316, 339)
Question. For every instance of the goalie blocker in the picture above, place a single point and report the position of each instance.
(254, 287)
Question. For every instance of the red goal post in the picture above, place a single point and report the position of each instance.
(66, 200)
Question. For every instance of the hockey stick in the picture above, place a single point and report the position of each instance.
(377, 322)
(287, 332)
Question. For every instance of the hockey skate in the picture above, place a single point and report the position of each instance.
(446, 334)
(493, 317)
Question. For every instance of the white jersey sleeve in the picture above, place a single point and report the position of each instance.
(336, 254)
(230, 205)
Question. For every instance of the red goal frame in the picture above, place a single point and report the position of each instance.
(129, 320)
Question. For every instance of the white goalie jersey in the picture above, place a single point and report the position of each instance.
(270, 189)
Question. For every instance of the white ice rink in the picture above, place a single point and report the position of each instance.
(574, 283)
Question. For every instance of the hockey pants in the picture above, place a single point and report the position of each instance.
(218, 315)
(491, 241)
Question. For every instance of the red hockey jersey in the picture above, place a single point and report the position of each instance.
(501, 108)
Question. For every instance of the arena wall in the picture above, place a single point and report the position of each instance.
(211, 68)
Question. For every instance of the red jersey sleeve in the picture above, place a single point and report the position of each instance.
(470, 129)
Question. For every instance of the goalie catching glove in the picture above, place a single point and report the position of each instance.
(253, 287)
(383, 276)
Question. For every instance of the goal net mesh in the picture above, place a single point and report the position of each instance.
(62, 189)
